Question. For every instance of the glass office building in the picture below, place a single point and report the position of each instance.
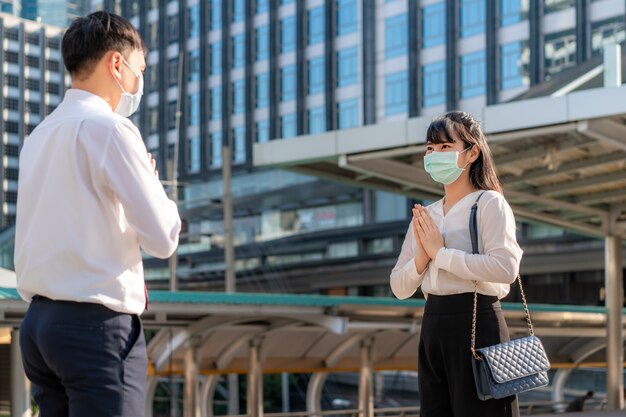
(255, 71)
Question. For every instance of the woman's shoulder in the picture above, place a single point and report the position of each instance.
(493, 200)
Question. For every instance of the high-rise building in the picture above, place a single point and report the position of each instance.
(11, 6)
(54, 12)
(33, 84)
(254, 71)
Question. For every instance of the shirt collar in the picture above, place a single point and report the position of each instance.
(85, 97)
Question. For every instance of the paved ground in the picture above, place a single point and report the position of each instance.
(587, 413)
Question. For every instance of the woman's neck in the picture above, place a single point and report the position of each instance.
(457, 190)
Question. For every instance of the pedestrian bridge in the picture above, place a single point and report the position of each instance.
(212, 334)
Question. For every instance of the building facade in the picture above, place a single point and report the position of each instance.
(254, 71)
(54, 12)
(33, 84)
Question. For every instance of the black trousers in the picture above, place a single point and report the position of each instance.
(445, 375)
(84, 359)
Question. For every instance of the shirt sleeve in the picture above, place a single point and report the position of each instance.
(405, 279)
(500, 256)
(130, 176)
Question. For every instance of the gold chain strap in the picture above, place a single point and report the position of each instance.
(528, 321)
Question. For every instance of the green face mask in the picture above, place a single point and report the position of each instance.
(443, 167)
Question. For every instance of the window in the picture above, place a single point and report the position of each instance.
(239, 97)
(239, 141)
(434, 84)
(53, 66)
(288, 126)
(288, 83)
(12, 80)
(171, 115)
(560, 52)
(11, 34)
(154, 121)
(288, 34)
(216, 58)
(262, 90)
(53, 88)
(11, 127)
(263, 131)
(513, 11)
(347, 18)
(239, 49)
(317, 120)
(473, 78)
(317, 26)
(194, 109)
(11, 57)
(216, 103)
(32, 61)
(606, 31)
(262, 43)
(348, 116)
(51, 43)
(194, 155)
(32, 84)
(348, 67)
(194, 21)
(396, 93)
(262, 6)
(286, 1)
(556, 5)
(396, 36)
(32, 107)
(172, 29)
(153, 78)
(239, 10)
(32, 38)
(216, 14)
(153, 35)
(172, 72)
(433, 25)
(13, 104)
(316, 75)
(194, 65)
(472, 17)
(511, 61)
(216, 149)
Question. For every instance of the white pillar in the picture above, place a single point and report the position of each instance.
(284, 378)
(612, 65)
(20, 385)
(207, 394)
(314, 392)
(233, 394)
(615, 341)
(255, 380)
(366, 379)
(558, 385)
(191, 403)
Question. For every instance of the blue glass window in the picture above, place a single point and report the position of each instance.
(216, 58)
(194, 155)
(288, 126)
(433, 25)
(239, 10)
(263, 131)
(288, 34)
(511, 57)
(473, 74)
(216, 103)
(317, 25)
(239, 141)
(288, 83)
(347, 67)
(396, 36)
(194, 109)
(239, 97)
(396, 93)
(262, 43)
(216, 149)
(194, 21)
(434, 84)
(239, 50)
(286, 1)
(262, 90)
(510, 12)
(216, 14)
(348, 116)
(317, 120)
(347, 16)
(316, 75)
(472, 17)
(194, 65)
(262, 6)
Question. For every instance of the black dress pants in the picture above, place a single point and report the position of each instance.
(445, 375)
(84, 360)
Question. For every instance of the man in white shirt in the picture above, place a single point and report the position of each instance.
(89, 199)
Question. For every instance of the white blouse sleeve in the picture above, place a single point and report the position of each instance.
(500, 255)
(404, 279)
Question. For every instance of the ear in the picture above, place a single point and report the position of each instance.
(474, 152)
(115, 62)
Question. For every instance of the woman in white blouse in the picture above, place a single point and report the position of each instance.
(437, 255)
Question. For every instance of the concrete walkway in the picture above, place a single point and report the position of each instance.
(621, 413)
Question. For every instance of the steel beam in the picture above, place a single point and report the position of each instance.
(615, 340)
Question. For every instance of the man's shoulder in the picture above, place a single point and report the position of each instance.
(108, 121)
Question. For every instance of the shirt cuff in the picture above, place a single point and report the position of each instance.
(410, 270)
(443, 258)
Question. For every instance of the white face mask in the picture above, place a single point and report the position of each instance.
(129, 103)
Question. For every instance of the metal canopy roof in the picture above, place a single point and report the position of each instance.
(562, 160)
(309, 333)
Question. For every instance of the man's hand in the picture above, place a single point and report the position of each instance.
(428, 232)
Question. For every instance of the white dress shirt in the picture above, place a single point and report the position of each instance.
(455, 267)
(88, 199)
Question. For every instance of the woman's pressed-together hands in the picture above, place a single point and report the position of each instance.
(428, 238)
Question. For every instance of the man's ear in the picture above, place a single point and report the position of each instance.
(114, 61)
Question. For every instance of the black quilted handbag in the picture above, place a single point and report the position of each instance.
(508, 368)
